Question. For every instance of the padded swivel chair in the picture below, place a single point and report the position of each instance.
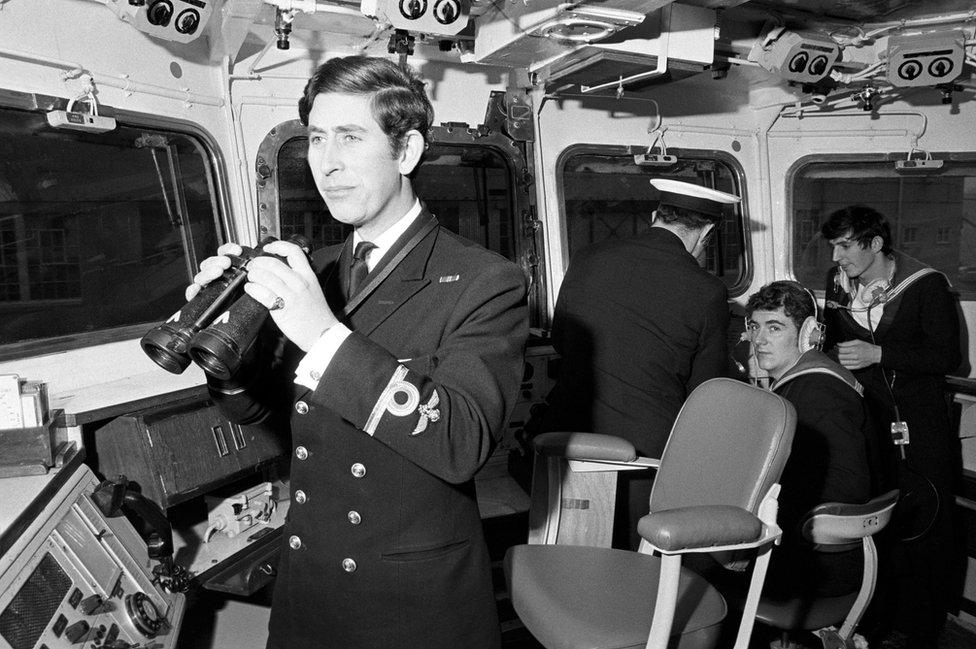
(715, 491)
(834, 527)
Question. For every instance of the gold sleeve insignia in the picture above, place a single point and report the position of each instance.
(402, 398)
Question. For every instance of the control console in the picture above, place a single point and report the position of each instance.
(72, 576)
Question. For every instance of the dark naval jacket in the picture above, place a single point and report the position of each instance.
(383, 545)
(919, 338)
(832, 460)
(639, 325)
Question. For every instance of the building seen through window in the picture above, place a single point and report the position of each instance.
(932, 216)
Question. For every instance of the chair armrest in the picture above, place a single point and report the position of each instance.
(842, 523)
(706, 528)
(586, 446)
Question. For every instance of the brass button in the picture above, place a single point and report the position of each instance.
(301, 452)
(358, 470)
(294, 542)
(301, 408)
(300, 497)
(354, 517)
(349, 565)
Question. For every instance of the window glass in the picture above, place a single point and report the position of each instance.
(932, 216)
(468, 188)
(97, 231)
(607, 195)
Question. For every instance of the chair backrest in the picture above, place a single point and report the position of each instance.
(728, 446)
(834, 527)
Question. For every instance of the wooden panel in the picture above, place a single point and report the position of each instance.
(587, 507)
(570, 508)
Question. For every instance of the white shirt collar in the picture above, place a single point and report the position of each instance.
(389, 237)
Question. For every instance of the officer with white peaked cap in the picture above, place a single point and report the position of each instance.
(639, 324)
(693, 197)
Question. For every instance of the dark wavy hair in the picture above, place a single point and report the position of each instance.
(397, 96)
(685, 217)
(862, 222)
(797, 302)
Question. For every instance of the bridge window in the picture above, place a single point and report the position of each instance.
(606, 195)
(932, 216)
(99, 232)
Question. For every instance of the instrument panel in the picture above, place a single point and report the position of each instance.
(76, 578)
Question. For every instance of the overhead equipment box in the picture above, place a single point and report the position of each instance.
(596, 44)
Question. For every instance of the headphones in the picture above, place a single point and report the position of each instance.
(812, 331)
(879, 290)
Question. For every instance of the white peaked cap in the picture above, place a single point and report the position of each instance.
(693, 197)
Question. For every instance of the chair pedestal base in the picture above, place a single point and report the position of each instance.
(828, 637)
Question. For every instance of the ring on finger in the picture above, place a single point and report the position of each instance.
(279, 303)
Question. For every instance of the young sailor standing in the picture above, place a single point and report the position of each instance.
(893, 322)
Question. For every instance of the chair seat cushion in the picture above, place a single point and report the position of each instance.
(573, 597)
(797, 613)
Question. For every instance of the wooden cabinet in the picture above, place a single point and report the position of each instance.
(181, 450)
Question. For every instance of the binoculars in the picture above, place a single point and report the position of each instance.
(218, 326)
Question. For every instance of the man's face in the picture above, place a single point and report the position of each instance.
(774, 336)
(851, 256)
(355, 171)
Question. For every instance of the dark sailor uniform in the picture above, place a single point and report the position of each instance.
(383, 545)
(831, 461)
(919, 338)
(639, 324)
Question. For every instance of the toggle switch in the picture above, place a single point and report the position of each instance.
(77, 632)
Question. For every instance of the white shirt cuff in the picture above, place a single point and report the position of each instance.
(316, 361)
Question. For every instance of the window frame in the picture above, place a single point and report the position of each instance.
(715, 155)
(528, 247)
(39, 103)
(794, 170)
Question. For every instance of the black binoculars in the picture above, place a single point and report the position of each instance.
(217, 327)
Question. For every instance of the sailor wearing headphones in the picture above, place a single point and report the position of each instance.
(830, 460)
(894, 323)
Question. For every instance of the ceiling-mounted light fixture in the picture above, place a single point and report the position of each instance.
(586, 24)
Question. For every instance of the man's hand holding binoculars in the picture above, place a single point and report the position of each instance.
(285, 284)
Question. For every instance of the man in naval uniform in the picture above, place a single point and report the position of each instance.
(832, 459)
(639, 324)
(394, 385)
(892, 321)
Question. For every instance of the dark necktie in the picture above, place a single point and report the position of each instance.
(359, 268)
